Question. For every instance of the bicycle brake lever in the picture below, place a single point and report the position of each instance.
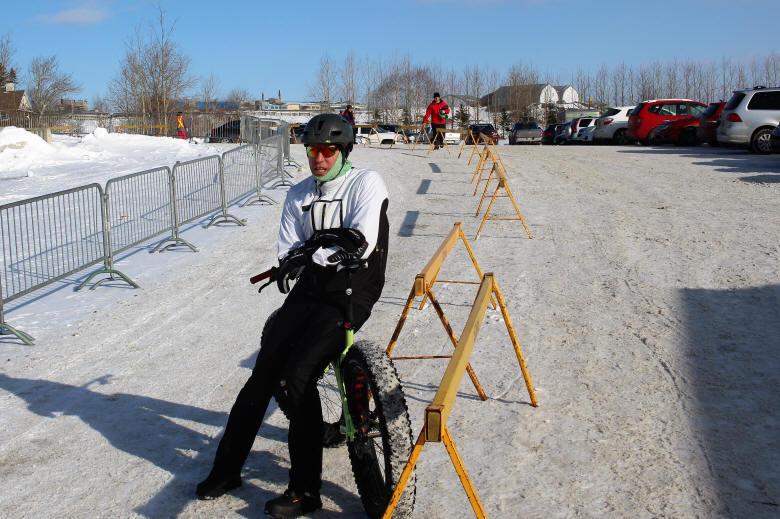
(265, 285)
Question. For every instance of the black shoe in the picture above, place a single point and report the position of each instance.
(214, 486)
(332, 435)
(291, 504)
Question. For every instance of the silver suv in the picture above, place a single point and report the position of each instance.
(749, 118)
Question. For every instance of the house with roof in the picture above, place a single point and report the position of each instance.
(532, 101)
(14, 102)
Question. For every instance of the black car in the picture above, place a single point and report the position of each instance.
(487, 129)
(228, 132)
(775, 139)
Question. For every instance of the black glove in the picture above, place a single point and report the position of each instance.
(351, 242)
(290, 267)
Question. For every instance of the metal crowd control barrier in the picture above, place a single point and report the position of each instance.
(47, 238)
(137, 207)
(438, 411)
(242, 176)
(197, 189)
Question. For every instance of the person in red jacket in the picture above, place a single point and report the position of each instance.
(438, 112)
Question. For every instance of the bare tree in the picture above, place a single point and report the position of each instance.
(324, 86)
(47, 84)
(6, 59)
(100, 104)
(238, 96)
(209, 92)
(349, 79)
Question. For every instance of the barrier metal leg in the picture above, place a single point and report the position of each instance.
(7, 329)
(111, 273)
(177, 242)
(460, 468)
(225, 218)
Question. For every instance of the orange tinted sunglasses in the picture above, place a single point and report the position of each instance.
(326, 151)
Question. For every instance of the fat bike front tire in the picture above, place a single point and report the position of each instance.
(384, 439)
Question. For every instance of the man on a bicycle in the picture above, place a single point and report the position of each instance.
(335, 217)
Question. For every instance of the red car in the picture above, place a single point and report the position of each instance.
(681, 132)
(649, 114)
(708, 125)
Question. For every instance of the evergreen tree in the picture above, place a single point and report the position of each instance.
(504, 119)
(11, 78)
(551, 113)
(463, 116)
(406, 116)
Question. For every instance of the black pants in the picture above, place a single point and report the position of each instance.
(304, 338)
(438, 138)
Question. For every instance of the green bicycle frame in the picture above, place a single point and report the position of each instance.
(349, 426)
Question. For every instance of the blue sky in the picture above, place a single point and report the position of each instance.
(265, 47)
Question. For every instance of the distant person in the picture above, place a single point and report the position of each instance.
(438, 112)
(349, 115)
(181, 129)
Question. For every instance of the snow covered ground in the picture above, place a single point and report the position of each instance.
(648, 306)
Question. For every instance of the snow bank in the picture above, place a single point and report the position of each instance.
(29, 166)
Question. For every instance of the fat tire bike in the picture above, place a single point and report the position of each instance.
(363, 405)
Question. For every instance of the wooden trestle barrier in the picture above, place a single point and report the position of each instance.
(475, 147)
(444, 132)
(438, 411)
(422, 131)
(497, 170)
(423, 288)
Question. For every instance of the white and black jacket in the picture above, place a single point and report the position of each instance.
(356, 200)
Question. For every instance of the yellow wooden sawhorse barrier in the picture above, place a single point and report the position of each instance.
(469, 134)
(438, 411)
(443, 132)
(423, 287)
(420, 133)
(497, 172)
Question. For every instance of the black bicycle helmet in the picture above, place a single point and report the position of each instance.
(329, 129)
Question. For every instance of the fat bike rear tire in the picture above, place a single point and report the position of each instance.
(384, 439)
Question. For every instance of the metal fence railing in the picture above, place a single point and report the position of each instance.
(48, 238)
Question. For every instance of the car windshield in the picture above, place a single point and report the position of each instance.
(533, 126)
(711, 109)
(610, 112)
(519, 126)
(736, 98)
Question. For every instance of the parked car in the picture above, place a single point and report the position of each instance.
(525, 132)
(562, 133)
(586, 134)
(548, 135)
(775, 139)
(709, 122)
(487, 129)
(228, 132)
(612, 126)
(649, 114)
(681, 132)
(365, 135)
(579, 124)
(749, 118)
